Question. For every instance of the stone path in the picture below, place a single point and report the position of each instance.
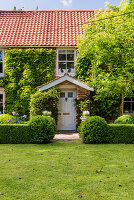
(66, 136)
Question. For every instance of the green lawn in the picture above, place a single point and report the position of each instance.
(65, 170)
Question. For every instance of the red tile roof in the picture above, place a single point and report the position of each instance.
(42, 28)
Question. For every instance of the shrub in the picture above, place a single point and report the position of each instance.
(124, 119)
(42, 129)
(14, 134)
(4, 118)
(93, 130)
(120, 133)
(45, 101)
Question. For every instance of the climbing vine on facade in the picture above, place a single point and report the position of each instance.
(25, 69)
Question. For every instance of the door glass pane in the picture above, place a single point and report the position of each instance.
(70, 94)
(1, 108)
(62, 67)
(1, 68)
(1, 98)
(127, 107)
(62, 94)
(1, 56)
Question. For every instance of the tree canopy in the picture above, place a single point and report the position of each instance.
(105, 56)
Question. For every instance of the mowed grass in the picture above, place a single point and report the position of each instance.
(67, 171)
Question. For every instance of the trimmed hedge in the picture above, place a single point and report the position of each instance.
(93, 130)
(124, 119)
(42, 129)
(14, 134)
(96, 130)
(120, 133)
(39, 130)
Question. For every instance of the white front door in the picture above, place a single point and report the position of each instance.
(67, 112)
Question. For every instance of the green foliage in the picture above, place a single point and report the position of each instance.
(26, 69)
(93, 130)
(105, 58)
(45, 101)
(106, 102)
(39, 129)
(120, 133)
(81, 105)
(2, 81)
(124, 119)
(4, 118)
(42, 129)
(13, 119)
(14, 134)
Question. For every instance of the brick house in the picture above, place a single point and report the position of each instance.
(49, 29)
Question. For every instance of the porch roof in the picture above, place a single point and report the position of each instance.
(59, 80)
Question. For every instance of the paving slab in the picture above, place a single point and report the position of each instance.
(66, 136)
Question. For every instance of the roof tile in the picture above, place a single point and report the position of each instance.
(42, 28)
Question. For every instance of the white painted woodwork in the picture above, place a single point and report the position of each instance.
(3, 93)
(62, 79)
(67, 112)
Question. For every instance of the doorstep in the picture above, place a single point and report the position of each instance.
(66, 135)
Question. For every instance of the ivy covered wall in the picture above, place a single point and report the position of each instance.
(25, 69)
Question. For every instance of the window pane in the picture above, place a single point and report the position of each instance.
(62, 94)
(133, 107)
(1, 97)
(70, 65)
(1, 108)
(70, 51)
(70, 57)
(62, 67)
(127, 107)
(127, 99)
(62, 51)
(62, 57)
(132, 98)
(1, 68)
(70, 94)
(1, 56)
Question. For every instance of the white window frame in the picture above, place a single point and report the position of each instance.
(131, 101)
(2, 74)
(57, 62)
(2, 92)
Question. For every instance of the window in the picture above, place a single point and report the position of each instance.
(2, 101)
(70, 94)
(66, 62)
(1, 63)
(62, 94)
(128, 105)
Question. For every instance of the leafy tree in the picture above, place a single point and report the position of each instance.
(105, 57)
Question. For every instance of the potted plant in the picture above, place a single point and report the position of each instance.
(85, 114)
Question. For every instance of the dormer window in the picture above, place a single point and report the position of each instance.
(1, 63)
(66, 62)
